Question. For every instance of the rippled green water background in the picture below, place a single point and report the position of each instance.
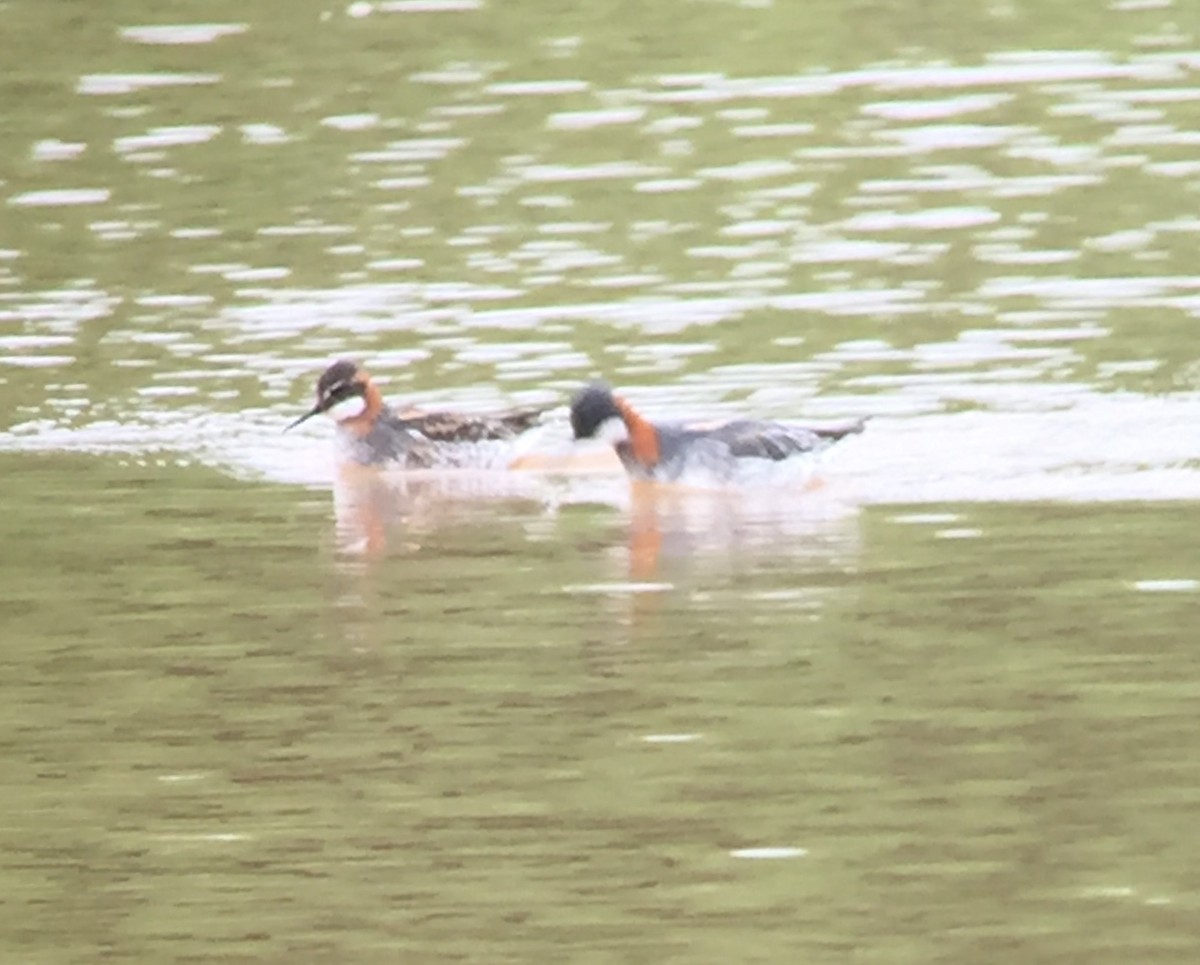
(942, 710)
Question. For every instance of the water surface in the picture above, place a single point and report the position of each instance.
(941, 708)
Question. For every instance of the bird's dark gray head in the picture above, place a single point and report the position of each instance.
(341, 382)
(593, 407)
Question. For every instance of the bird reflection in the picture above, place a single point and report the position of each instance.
(701, 540)
(377, 513)
(673, 526)
(380, 513)
(658, 542)
(382, 519)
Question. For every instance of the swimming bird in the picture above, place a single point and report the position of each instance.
(735, 452)
(372, 434)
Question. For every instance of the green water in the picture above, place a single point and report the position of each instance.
(941, 711)
(225, 741)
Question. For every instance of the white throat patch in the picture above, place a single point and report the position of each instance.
(613, 431)
(349, 408)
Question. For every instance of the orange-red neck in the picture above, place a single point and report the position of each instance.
(643, 437)
(361, 424)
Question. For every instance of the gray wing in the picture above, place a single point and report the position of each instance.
(392, 439)
(778, 440)
(465, 427)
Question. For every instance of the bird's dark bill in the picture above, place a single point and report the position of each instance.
(315, 410)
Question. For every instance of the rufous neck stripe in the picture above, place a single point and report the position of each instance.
(643, 437)
(361, 424)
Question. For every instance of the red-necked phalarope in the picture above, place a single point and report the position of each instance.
(737, 452)
(372, 434)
